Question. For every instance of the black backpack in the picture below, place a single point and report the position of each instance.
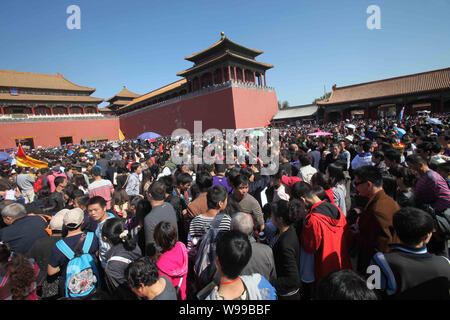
(443, 223)
(205, 265)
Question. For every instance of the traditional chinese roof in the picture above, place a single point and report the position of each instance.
(223, 44)
(169, 87)
(45, 97)
(105, 110)
(226, 55)
(20, 79)
(224, 49)
(296, 112)
(125, 93)
(120, 102)
(404, 85)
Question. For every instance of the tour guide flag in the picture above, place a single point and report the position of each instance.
(25, 161)
(121, 135)
(402, 111)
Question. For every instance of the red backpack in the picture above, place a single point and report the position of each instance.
(37, 185)
(40, 182)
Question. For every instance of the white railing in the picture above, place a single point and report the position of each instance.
(56, 117)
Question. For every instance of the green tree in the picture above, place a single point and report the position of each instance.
(325, 96)
(283, 105)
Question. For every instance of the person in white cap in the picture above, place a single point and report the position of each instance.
(73, 219)
(40, 252)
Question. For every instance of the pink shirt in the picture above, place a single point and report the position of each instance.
(51, 179)
(102, 188)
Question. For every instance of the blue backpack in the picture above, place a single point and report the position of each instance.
(81, 273)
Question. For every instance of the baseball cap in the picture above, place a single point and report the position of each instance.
(56, 223)
(73, 218)
(349, 138)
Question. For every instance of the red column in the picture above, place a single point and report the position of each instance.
(243, 74)
(51, 110)
(32, 110)
(96, 109)
(235, 75)
(223, 74)
(229, 73)
(325, 117)
(254, 77)
(2, 110)
(84, 112)
(265, 85)
(68, 110)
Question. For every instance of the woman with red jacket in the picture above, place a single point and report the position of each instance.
(324, 233)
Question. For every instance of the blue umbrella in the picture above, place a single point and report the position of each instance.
(148, 135)
(4, 156)
(400, 131)
(433, 121)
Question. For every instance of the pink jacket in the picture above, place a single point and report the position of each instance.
(174, 265)
(51, 179)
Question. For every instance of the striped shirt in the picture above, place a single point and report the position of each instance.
(432, 189)
(198, 226)
(102, 188)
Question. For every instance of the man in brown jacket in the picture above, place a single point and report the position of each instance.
(375, 223)
(204, 181)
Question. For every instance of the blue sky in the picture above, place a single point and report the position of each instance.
(142, 43)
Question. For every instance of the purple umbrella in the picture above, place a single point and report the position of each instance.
(148, 135)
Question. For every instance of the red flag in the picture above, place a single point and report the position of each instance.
(161, 148)
(21, 153)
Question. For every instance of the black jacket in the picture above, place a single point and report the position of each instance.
(256, 187)
(286, 253)
(56, 202)
(414, 274)
(23, 233)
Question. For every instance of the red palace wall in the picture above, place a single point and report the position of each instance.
(229, 108)
(254, 108)
(46, 134)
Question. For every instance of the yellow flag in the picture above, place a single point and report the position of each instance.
(25, 161)
(30, 162)
(121, 135)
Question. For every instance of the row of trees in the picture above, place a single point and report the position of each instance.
(285, 104)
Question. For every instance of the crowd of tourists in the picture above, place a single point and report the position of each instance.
(359, 214)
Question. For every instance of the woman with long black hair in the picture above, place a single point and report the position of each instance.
(123, 251)
(335, 174)
(286, 253)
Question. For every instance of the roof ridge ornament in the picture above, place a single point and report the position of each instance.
(222, 35)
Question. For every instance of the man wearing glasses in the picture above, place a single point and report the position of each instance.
(375, 226)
